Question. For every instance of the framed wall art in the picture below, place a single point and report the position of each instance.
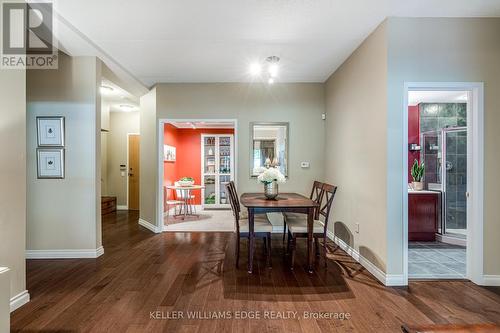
(50, 163)
(169, 153)
(50, 131)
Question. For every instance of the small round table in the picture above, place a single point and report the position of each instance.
(185, 197)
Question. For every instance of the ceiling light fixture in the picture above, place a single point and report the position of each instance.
(127, 107)
(273, 67)
(106, 89)
(255, 69)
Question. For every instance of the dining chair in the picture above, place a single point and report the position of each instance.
(316, 196)
(169, 203)
(262, 226)
(297, 226)
(187, 197)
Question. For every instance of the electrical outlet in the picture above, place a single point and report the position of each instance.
(357, 228)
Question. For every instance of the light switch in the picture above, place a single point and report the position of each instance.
(304, 165)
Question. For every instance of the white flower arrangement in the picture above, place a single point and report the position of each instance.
(272, 174)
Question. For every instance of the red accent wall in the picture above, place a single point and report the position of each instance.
(187, 142)
(413, 136)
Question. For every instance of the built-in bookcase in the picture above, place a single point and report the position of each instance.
(217, 169)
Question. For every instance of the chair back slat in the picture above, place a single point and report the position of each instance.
(234, 202)
(317, 195)
(329, 193)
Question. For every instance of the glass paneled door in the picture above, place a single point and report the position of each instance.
(217, 168)
(455, 182)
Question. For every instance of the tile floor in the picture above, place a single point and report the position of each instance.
(430, 260)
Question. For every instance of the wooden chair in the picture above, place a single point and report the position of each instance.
(262, 226)
(316, 195)
(297, 227)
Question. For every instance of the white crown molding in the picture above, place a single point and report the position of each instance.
(386, 279)
(65, 254)
(150, 226)
(19, 300)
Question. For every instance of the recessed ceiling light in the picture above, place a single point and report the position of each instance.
(255, 69)
(127, 107)
(106, 89)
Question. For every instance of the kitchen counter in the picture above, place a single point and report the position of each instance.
(423, 192)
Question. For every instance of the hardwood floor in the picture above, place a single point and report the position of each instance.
(143, 278)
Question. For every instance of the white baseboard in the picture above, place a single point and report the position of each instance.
(491, 280)
(386, 279)
(65, 254)
(150, 226)
(19, 300)
(121, 207)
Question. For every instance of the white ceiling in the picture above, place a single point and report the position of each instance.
(417, 97)
(216, 40)
(117, 97)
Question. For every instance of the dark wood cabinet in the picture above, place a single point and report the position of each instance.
(108, 205)
(424, 215)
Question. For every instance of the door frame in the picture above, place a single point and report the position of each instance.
(475, 172)
(159, 155)
(128, 163)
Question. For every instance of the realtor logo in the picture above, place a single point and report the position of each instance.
(27, 35)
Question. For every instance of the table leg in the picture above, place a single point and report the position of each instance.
(310, 223)
(251, 239)
(186, 202)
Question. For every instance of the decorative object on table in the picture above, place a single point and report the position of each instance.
(186, 181)
(50, 163)
(50, 131)
(417, 173)
(169, 153)
(270, 177)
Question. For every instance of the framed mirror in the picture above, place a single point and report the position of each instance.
(268, 146)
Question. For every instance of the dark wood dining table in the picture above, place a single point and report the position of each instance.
(256, 203)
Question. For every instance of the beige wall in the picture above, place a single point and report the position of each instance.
(13, 177)
(121, 123)
(356, 125)
(460, 50)
(4, 299)
(149, 158)
(105, 114)
(65, 213)
(300, 104)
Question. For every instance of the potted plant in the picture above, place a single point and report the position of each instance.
(270, 177)
(186, 181)
(417, 173)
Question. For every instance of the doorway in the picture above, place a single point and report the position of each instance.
(133, 184)
(197, 158)
(442, 212)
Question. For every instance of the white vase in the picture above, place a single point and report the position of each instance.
(417, 186)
